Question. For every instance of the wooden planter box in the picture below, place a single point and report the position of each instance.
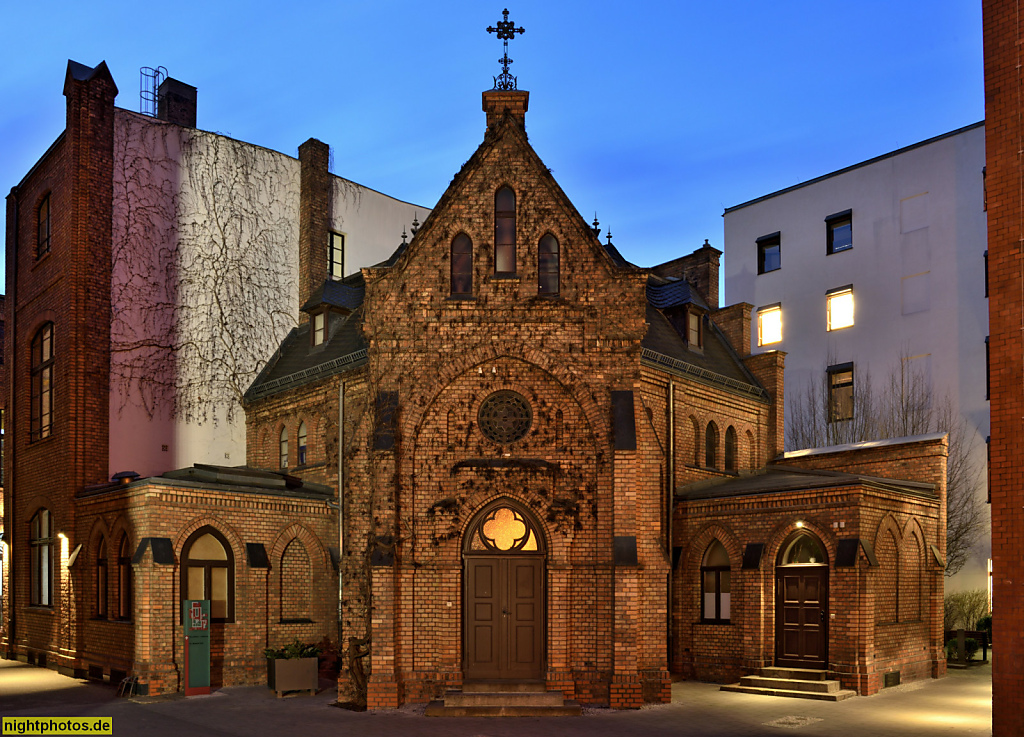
(299, 674)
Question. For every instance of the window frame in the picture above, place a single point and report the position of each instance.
(40, 540)
(715, 571)
(207, 565)
(41, 380)
(460, 278)
(44, 232)
(831, 373)
(834, 222)
(763, 312)
(551, 271)
(301, 448)
(318, 332)
(282, 447)
(102, 581)
(124, 579)
(834, 294)
(765, 242)
(504, 252)
(336, 247)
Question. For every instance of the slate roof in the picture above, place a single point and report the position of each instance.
(665, 293)
(347, 294)
(782, 479)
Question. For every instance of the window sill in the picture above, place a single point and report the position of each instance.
(296, 621)
(504, 276)
(40, 441)
(460, 298)
(716, 621)
(39, 261)
(40, 609)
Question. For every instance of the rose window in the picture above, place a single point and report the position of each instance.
(505, 417)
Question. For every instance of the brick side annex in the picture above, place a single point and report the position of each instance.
(554, 467)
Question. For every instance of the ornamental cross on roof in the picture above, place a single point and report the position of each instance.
(506, 31)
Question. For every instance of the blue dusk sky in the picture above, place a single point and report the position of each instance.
(656, 115)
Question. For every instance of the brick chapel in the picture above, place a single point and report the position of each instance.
(503, 455)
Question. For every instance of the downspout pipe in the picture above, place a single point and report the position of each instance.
(341, 502)
(10, 508)
(670, 493)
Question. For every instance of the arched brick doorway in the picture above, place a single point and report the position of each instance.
(504, 602)
(801, 603)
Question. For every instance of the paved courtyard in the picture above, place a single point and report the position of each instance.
(960, 704)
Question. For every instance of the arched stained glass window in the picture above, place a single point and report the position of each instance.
(505, 231)
(462, 266)
(716, 584)
(803, 549)
(284, 447)
(208, 572)
(730, 449)
(302, 443)
(711, 446)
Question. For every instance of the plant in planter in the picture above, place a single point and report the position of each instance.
(971, 647)
(293, 667)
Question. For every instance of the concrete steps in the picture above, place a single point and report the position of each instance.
(796, 683)
(503, 699)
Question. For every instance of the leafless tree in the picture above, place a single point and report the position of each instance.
(905, 406)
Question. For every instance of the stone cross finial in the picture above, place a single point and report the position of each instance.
(506, 31)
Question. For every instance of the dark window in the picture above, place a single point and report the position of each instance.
(336, 256)
(462, 266)
(284, 447)
(716, 585)
(319, 328)
(730, 449)
(42, 383)
(124, 579)
(40, 542)
(711, 446)
(43, 241)
(988, 371)
(208, 572)
(302, 443)
(839, 232)
(505, 231)
(769, 253)
(101, 580)
(840, 392)
(986, 294)
(547, 265)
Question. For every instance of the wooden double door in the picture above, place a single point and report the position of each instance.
(801, 616)
(504, 617)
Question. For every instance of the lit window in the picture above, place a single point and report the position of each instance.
(208, 572)
(284, 447)
(42, 383)
(302, 443)
(839, 232)
(40, 542)
(505, 231)
(840, 392)
(43, 240)
(840, 308)
(769, 325)
(462, 266)
(769, 253)
(716, 584)
(319, 327)
(547, 265)
(337, 256)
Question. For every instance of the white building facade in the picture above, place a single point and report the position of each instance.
(872, 272)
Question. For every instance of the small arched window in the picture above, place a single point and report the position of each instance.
(43, 221)
(42, 383)
(101, 580)
(711, 446)
(124, 579)
(716, 586)
(547, 265)
(462, 266)
(302, 444)
(730, 449)
(283, 447)
(40, 541)
(208, 572)
(505, 231)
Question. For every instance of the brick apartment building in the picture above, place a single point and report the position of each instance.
(555, 467)
(1004, 135)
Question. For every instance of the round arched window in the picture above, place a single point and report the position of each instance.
(803, 549)
(505, 417)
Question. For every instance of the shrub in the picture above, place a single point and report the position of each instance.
(962, 609)
(985, 625)
(294, 650)
(971, 647)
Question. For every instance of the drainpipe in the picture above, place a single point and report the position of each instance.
(10, 513)
(671, 494)
(341, 499)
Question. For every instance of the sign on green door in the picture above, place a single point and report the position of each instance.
(196, 617)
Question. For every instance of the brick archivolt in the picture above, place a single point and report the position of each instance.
(229, 533)
(785, 529)
(296, 531)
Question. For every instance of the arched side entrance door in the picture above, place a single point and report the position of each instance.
(504, 606)
(801, 604)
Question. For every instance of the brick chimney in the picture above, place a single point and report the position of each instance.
(314, 202)
(700, 268)
(176, 103)
(769, 369)
(496, 102)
